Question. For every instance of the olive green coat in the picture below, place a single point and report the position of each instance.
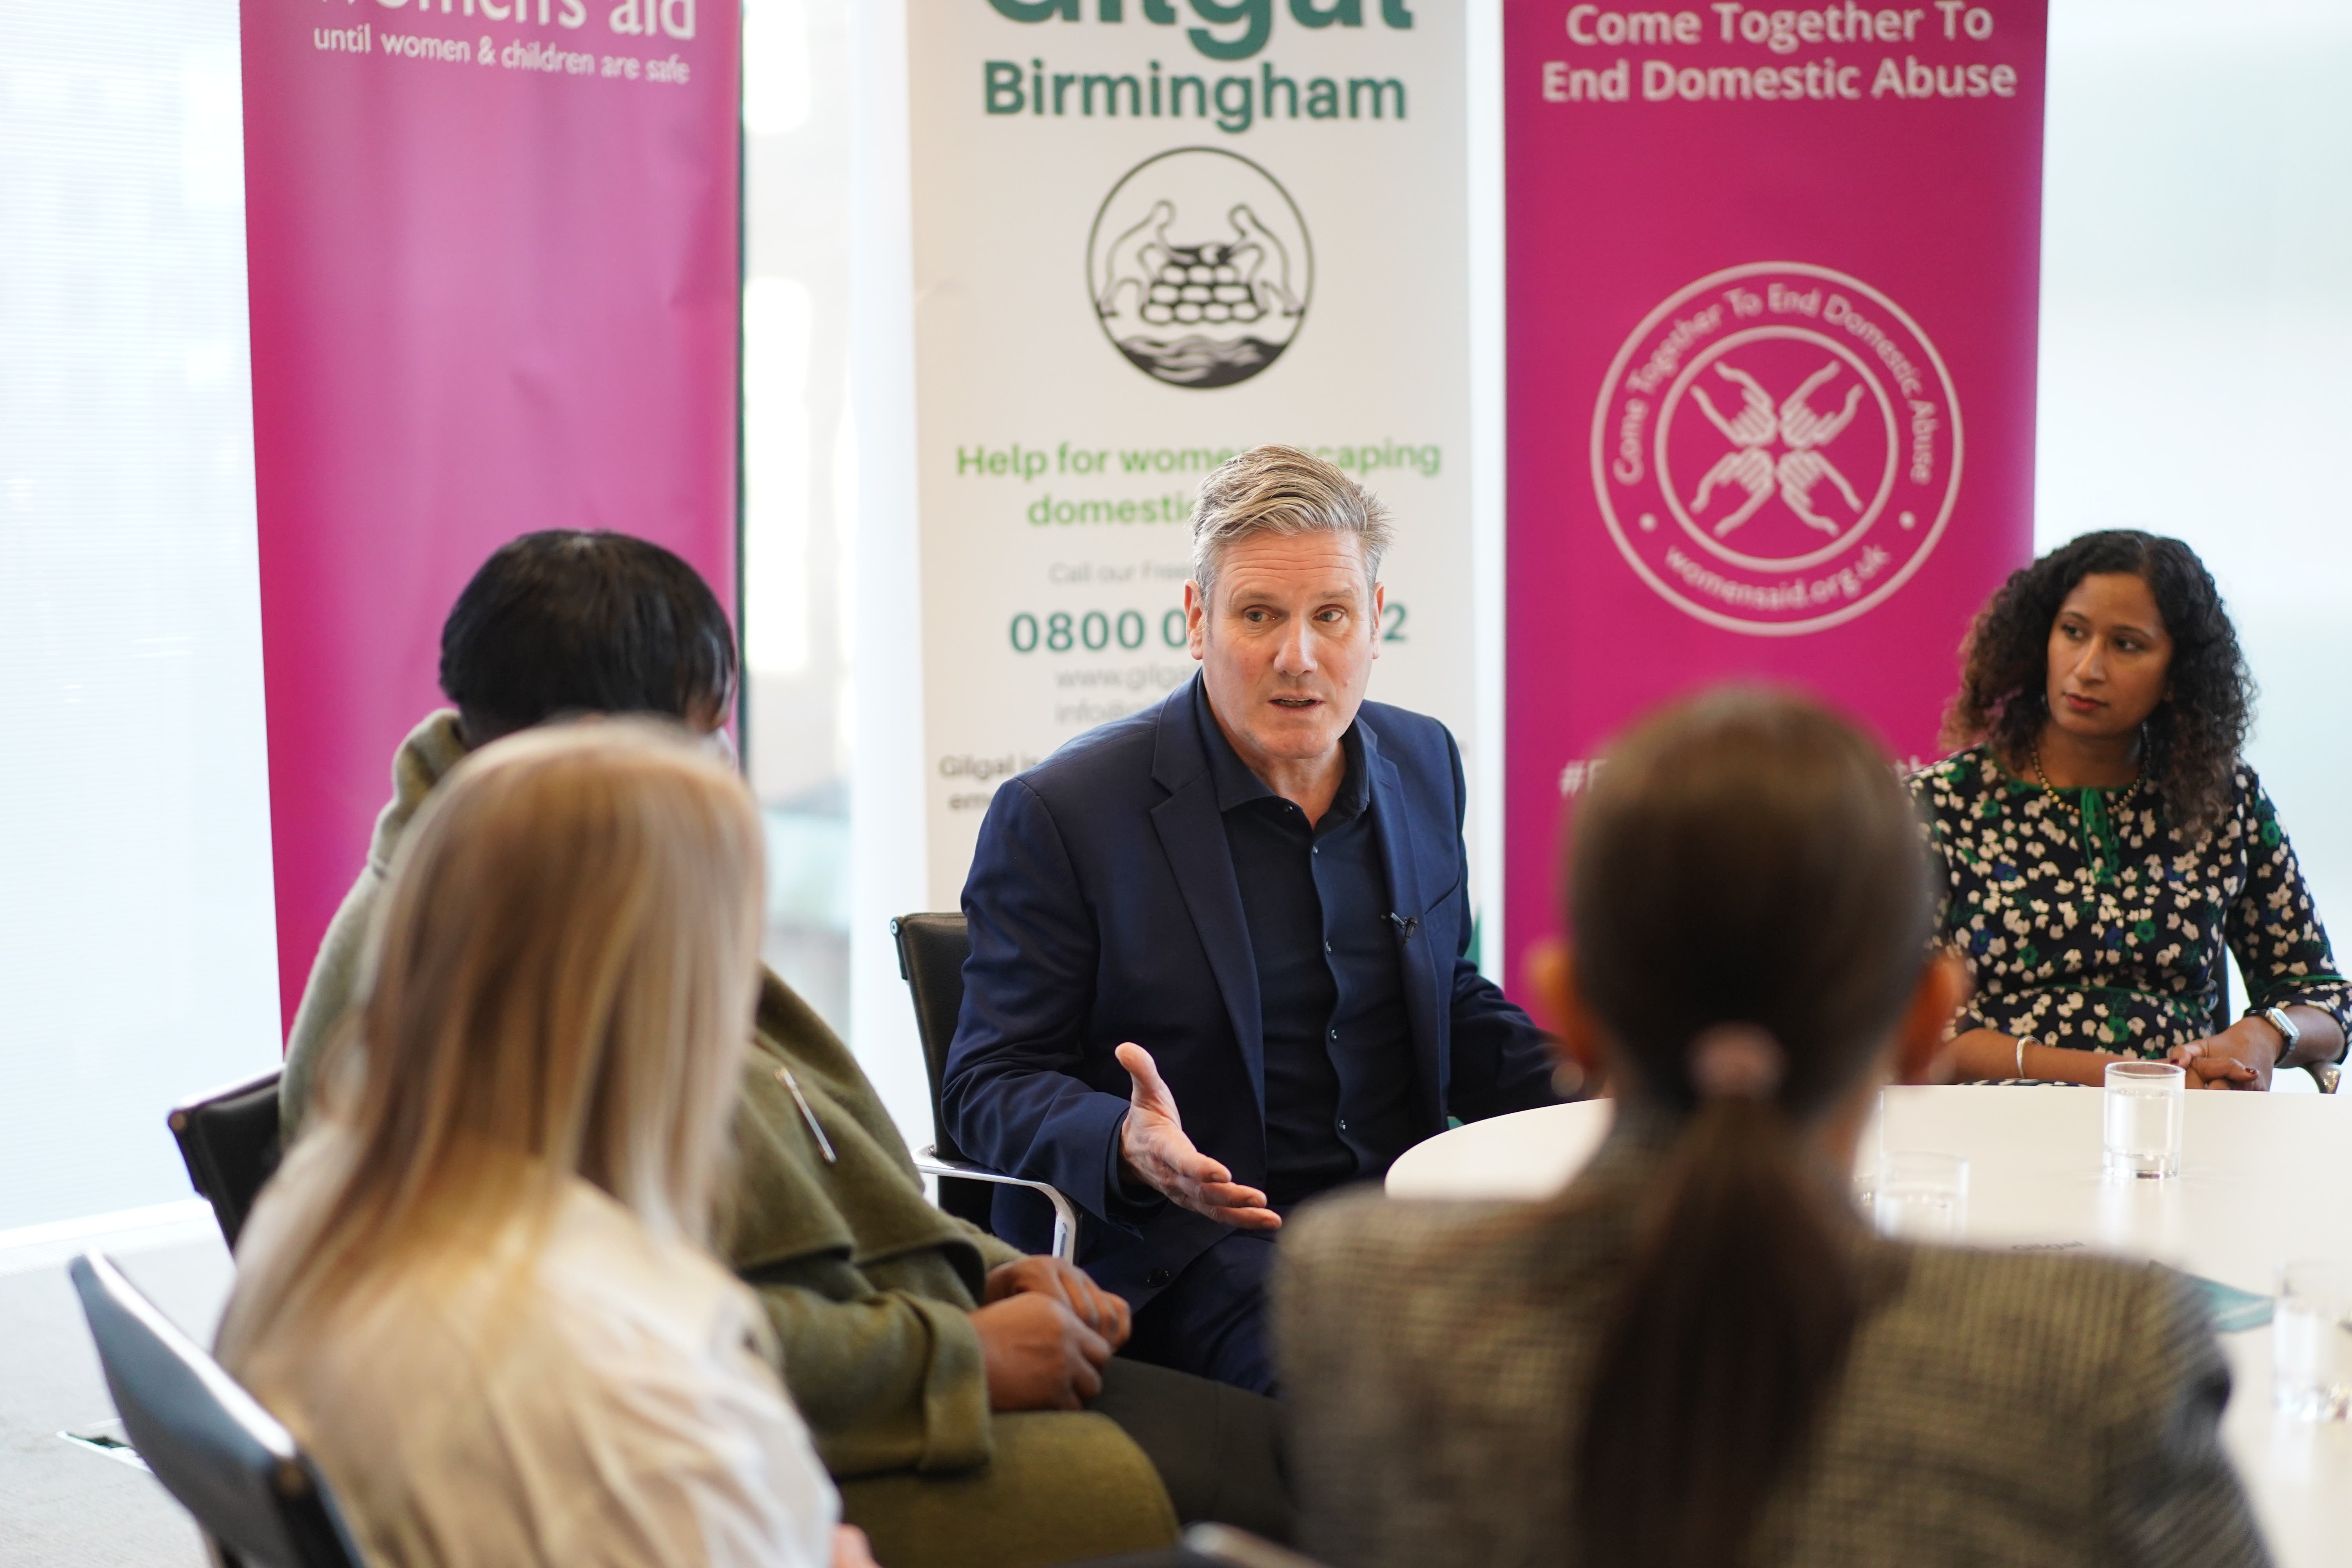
(869, 1285)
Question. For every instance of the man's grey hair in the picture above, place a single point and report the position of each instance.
(1284, 491)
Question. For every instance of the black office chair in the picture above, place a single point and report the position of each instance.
(229, 1139)
(212, 1445)
(931, 951)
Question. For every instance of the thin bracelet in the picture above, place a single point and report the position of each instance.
(2020, 1055)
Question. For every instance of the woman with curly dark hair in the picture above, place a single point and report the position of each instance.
(2102, 841)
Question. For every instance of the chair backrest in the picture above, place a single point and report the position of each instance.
(931, 951)
(229, 1139)
(226, 1460)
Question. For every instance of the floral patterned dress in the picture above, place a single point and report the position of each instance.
(2093, 924)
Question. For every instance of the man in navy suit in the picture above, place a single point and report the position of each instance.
(1219, 947)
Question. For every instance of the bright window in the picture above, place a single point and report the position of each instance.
(2196, 335)
(137, 964)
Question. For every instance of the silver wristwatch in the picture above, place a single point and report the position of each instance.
(2289, 1031)
(2326, 1075)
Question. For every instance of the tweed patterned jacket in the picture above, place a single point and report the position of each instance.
(2019, 1410)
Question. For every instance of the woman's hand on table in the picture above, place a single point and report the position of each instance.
(2214, 1071)
(1978, 1055)
(2240, 1057)
(1987, 1055)
(2236, 1059)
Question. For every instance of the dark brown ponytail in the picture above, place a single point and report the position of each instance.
(1745, 860)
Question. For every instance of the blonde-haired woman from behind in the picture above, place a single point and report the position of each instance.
(480, 1291)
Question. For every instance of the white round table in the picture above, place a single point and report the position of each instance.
(2262, 1181)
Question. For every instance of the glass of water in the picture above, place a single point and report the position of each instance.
(1922, 1196)
(2311, 1341)
(2143, 1113)
(1869, 1150)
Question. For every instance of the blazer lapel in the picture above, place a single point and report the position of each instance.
(1193, 831)
(1416, 942)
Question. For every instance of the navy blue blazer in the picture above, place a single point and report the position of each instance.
(1103, 908)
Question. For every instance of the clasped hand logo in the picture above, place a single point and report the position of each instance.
(1199, 267)
(1753, 431)
(1236, 280)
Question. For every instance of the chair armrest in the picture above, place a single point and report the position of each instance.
(930, 1162)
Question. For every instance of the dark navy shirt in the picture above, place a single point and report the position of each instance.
(1338, 1049)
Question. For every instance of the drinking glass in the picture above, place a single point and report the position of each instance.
(1922, 1196)
(1870, 1149)
(2311, 1341)
(2143, 1113)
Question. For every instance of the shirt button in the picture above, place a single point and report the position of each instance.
(1343, 1124)
(1335, 1034)
(1158, 1277)
(1327, 946)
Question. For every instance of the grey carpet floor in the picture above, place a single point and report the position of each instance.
(65, 1505)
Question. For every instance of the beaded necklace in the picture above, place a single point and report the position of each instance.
(2101, 849)
(2033, 751)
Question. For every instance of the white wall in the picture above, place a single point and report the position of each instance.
(137, 962)
(2196, 346)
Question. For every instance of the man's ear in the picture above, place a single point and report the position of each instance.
(1196, 619)
(1922, 1054)
(1551, 973)
(1379, 613)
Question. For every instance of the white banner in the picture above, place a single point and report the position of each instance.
(1149, 234)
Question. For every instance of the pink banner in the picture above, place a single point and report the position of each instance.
(1773, 280)
(493, 254)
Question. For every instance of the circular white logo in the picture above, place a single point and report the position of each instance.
(1199, 267)
(1777, 448)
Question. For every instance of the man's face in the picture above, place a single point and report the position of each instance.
(1287, 643)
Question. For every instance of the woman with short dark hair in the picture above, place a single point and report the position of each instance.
(1697, 1355)
(564, 622)
(571, 620)
(2104, 847)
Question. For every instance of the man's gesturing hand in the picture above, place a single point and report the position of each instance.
(1153, 1150)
